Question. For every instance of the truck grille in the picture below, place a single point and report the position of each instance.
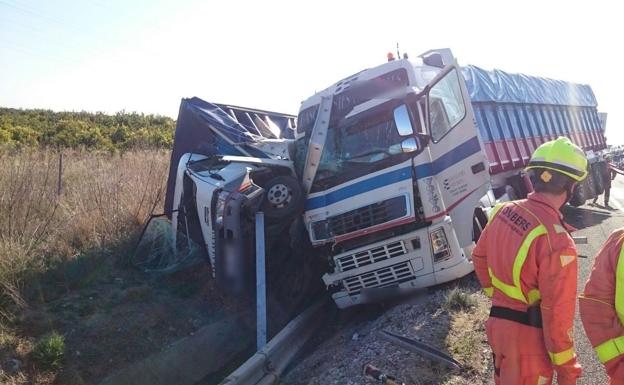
(387, 276)
(360, 218)
(368, 257)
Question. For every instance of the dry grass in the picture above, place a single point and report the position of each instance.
(64, 268)
(103, 200)
(458, 299)
(468, 309)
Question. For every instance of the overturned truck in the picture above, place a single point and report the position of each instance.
(377, 186)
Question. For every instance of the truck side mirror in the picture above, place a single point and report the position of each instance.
(402, 121)
(409, 145)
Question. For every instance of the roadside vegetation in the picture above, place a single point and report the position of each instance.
(118, 132)
(466, 339)
(64, 228)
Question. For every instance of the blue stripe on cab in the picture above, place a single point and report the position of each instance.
(359, 188)
(457, 154)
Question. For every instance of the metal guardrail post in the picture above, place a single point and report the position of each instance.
(261, 316)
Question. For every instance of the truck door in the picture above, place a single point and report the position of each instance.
(458, 169)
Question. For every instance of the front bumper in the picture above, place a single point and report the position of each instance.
(392, 268)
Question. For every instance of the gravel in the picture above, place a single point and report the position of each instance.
(340, 358)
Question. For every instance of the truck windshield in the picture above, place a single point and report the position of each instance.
(358, 149)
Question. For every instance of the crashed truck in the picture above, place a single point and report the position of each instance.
(379, 185)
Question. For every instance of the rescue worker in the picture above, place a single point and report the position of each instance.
(525, 260)
(608, 174)
(602, 307)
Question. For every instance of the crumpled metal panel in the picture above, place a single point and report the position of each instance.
(217, 129)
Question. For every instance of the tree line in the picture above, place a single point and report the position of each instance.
(121, 131)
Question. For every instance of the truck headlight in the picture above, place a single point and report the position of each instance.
(439, 245)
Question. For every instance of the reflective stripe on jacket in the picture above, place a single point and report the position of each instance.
(525, 257)
(602, 306)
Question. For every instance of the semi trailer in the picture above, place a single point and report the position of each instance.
(378, 186)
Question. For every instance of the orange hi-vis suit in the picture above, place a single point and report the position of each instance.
(525, 260)
(602, 307)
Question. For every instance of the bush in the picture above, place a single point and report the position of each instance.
(52, 239)
(49, 352)
(122, 131)
(458, 299)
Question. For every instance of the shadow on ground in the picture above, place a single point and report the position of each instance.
(112, 315)
(585, 216)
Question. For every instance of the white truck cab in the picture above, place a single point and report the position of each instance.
(395, 182)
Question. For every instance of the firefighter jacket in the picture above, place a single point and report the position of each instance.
(602, 306)
(525, 257)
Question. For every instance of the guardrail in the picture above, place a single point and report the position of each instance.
(267, 365)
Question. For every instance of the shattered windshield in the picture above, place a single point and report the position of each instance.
(356, 150)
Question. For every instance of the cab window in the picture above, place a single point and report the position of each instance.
(446, 105)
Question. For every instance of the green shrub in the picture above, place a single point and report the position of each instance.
(122, 131)
(49, 352)
(458, 299)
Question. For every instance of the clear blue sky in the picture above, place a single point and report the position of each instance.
(144, 56)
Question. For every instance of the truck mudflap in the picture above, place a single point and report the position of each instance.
(397, 266)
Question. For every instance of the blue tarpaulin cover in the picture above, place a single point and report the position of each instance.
(208, 129)
(502, 87)
(515, 113)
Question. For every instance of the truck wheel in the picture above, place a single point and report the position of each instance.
(283, 197)
(578, 195)
(293, 280)
(590, 191)
(479, 221)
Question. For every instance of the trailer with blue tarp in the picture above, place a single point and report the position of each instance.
(516, 113)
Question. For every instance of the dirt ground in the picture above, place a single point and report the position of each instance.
(117, 318)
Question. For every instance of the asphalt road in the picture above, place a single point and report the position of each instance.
(596, 223)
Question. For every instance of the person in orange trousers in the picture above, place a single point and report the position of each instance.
(602, 307)
(526, 262)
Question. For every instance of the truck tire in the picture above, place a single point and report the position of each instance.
(479, 221)
(293, 279)
(519, 187)
(283, 197)
(590, 191)
(578, 195)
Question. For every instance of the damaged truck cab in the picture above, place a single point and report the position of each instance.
(392, 168)
(382, 172)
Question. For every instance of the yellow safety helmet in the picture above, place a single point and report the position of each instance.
(560, 155)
